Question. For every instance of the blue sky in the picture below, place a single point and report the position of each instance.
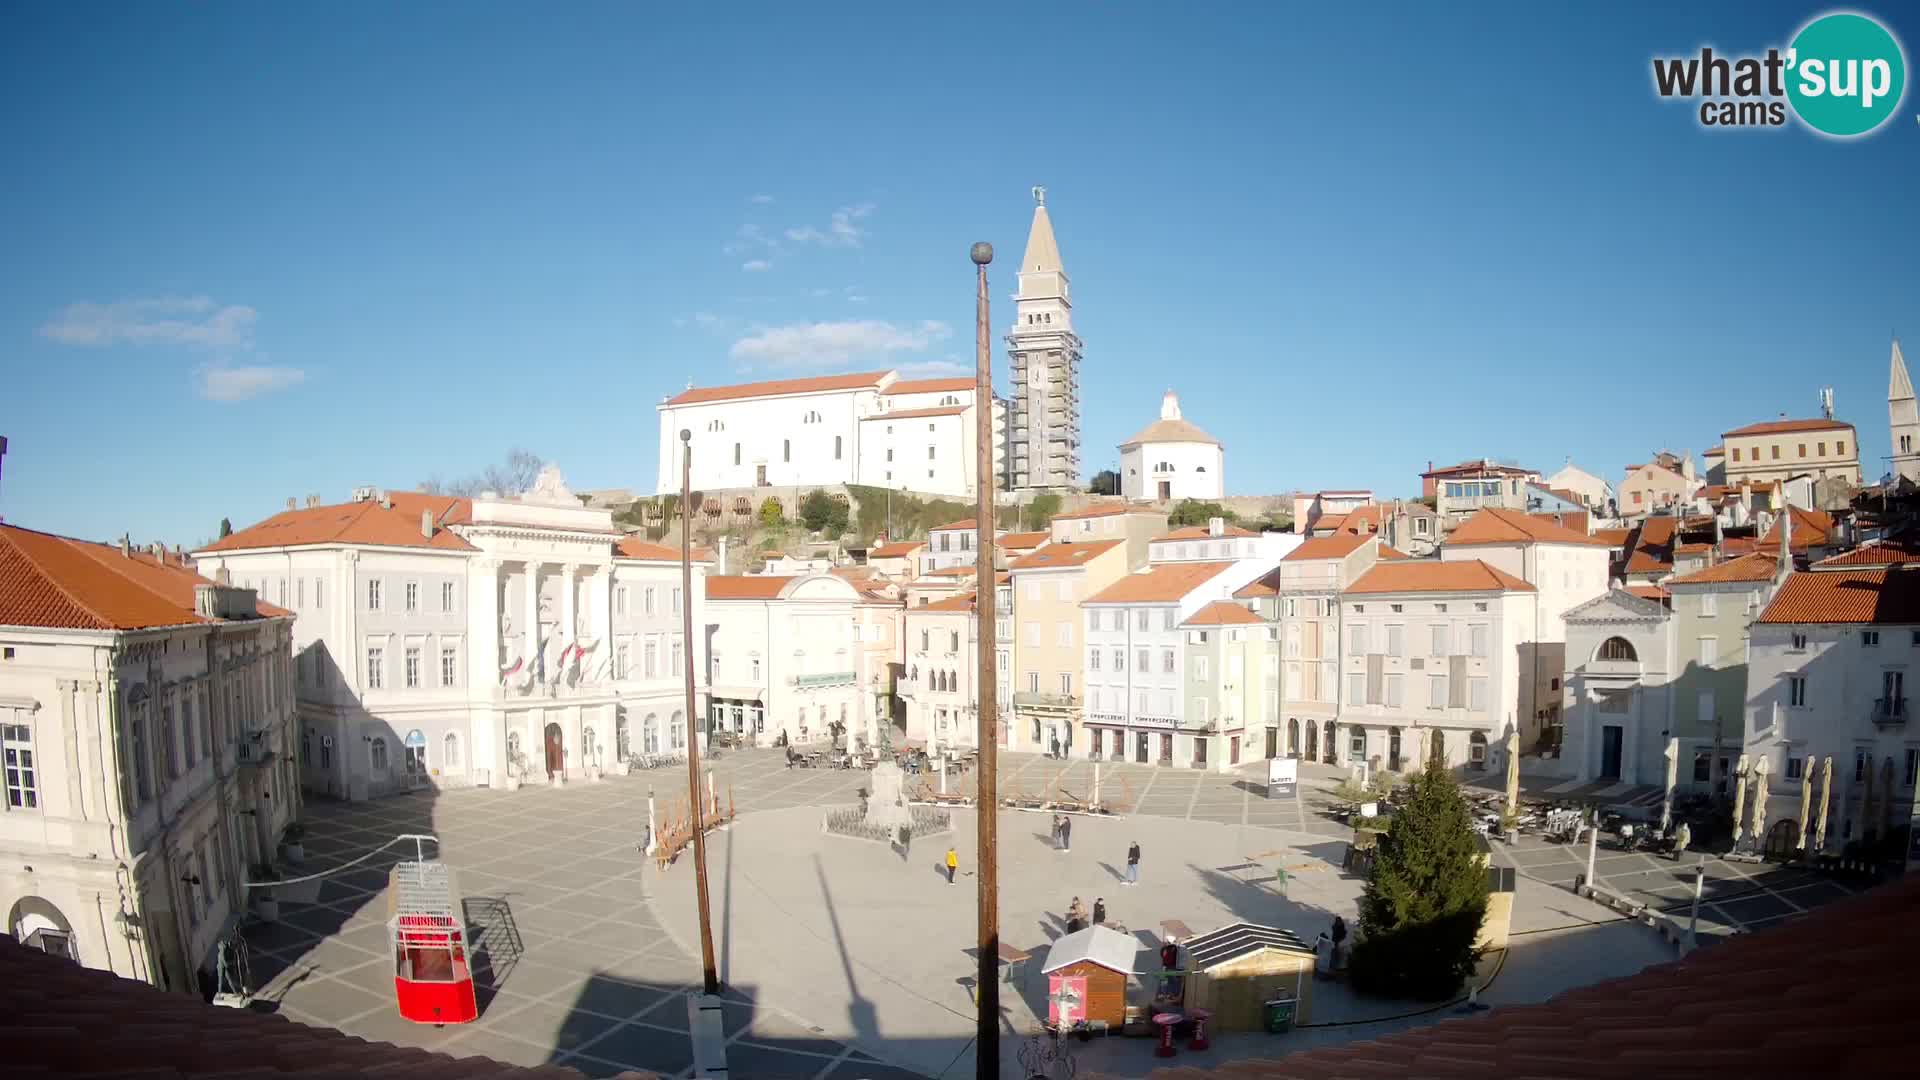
(255, 251)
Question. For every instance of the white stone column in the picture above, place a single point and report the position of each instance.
(569, 627)
(532, 608)
(603, 620)
(483, 625)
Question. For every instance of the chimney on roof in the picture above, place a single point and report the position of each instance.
(313, 501)
(722, 569)
(126, 546)
(386, 501)
(291, 502)
(1785, 567)
(1216, 526)
(426, 524)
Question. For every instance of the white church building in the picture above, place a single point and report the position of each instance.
(1172, 459)
(872, 428)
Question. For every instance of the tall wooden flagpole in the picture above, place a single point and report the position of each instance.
(694, 722)
(987, 806)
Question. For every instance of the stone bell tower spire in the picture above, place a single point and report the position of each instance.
(1903, 419)
(1044, 417)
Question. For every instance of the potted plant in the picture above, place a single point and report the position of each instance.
(295, 841)
(265, 904)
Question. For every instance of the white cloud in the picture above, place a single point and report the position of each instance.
(755, 266)
(761, 200)
(843, 230)
(750, 238)
(823, 344)
(222, 383)
(194, 321)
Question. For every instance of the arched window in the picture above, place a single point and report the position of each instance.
(677, 727)
(836, 448)
(589, 747)
(450, 751)
(416, 750)
(953, 680)
(622, 739)
(650, 733)
(379, 754)
(1616, 648)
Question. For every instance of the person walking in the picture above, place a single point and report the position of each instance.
(1056, 832)
(1099, 911)
(1133, 863)
(1066, 833)
(1076, 916)
(953, 863)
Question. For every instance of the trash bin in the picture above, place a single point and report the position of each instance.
(1279, 1013)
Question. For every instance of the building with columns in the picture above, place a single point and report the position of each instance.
(446, 642)
(1043, 413)
(147, 721)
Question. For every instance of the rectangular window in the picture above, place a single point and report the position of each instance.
(1870, 638)
(620, 661)
(1795, 766)
(1775, 448)
(413, 666)
(1142, 661)
(373, 594)
(1440, 640)
(23, 782)
(1803, 449)
(1093, 659)
(1032, 635)
(1797, 691)
(299, 592)
(1709, 651)
(1200, 667)
(1702, 767)
(376, 667)
(1799, 641)
(649, 601)
(1396, 640)
(1393, 689)
(1166, 661)
(1066, 684)
(1357, 640)
(675, 598)
(1736, 457)
(650, 659)
(1840, 448)
(1436, 692)
(1063, 589)
(1166, 619)
(1477, 694)
(1356, 689)
(677, 657)
(1119, 660)
(1709, 605)
(449, 665)
(1063, 633)
(1141, 620)
(1912, 767)
(413, 597)
(1479, 638)
(446, 596)
(929, 453)
(1033, 682)
(786, 449)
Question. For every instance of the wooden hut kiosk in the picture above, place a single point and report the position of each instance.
(1235, 970)
(1087, 973)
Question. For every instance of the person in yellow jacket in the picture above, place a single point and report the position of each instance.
(953, 863)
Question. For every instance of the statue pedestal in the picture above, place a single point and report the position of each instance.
(886, 803)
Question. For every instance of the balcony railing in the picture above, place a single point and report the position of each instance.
(830, 678)
(1890, 712)
(1039, 700)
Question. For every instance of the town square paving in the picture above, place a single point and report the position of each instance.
(843, 958)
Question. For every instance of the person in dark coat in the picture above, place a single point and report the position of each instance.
(1066, 833)
(1133, 863)
(1099, 911)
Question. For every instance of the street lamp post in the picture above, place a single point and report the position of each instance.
(987, 806)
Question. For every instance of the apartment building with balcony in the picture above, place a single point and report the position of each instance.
(790, 650)
(447, 642)
(1832, 654)
(1048, 685)
(147, 723)
(941, 684)
(1140, 706)
(1233, 684)
(1713, 612)
(1430, 652)
(1217, 540)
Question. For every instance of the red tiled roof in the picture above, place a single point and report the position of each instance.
(1054, 556)
(1393, 553)
(1828, 993)
(1326, 547)
(1163, 583)
(1566, 519)
(776, 387)
(1774, 427)
(1691, 549)
(1478, 467)
(1714, 451)
(1267, 584)
(909, 414)
(1884, 595)
(1200, 532)
(1759, 566)
(747, 587)
(1650, 592)
(902, 550)
(957, 602)
(952, 571)
(1496, 526)
(1810, 529)
(1022, 541)
(85, 1022)
(930, 386)
(1877, 553)
(1361, 521)
(1431, 575)
(635, 547)
(964, 523)
(1613, 537)
(1222, 613)
(61, 583)
(369, 523)
(1652, 546)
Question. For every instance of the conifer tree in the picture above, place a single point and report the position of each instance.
(1425, 897)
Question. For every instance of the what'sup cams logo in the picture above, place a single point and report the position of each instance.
(1844, 75)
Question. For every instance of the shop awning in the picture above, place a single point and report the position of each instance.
(736, 693)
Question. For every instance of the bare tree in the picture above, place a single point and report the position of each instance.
(513, 477)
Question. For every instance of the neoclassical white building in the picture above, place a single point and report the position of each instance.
(1172, 459)
(872, 428)
(147, 720)
(788, 658)
(449, 642)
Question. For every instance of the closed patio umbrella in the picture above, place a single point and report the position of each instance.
(1806, 804)
(1673, 778)
(1886, 797)
(1513, 770)
(1739, 796)
(1760, 802)
(1826, 794)
(1866, 797)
